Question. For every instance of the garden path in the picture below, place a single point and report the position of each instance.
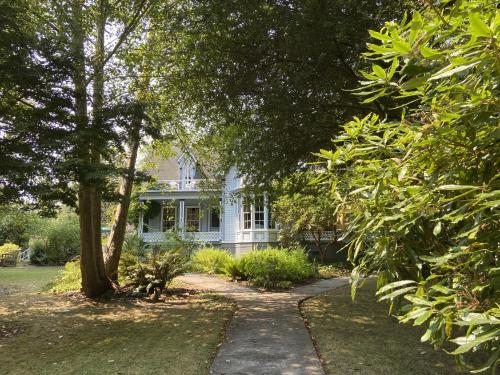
(267, 334)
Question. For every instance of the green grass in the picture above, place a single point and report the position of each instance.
(26, 278)
(360, 338)
(42, 333)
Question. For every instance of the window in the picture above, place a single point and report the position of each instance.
(192, 219)
(168, 218)
(259, 213)
(247, 215)
(215, 218)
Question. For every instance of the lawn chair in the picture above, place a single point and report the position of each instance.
(9, 259)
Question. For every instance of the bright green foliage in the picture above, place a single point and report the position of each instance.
(210, 260)
(17, 225)
(70, 279)
(305, 208)
(57, 242)
(421, 195)
(9, 248)
(276, 268)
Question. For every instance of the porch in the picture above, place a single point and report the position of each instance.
(193, 218)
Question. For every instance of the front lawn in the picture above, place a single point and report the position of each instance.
(360, 338)
(42, 333)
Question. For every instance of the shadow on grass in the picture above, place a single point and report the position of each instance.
(54, 334)
(360, 338)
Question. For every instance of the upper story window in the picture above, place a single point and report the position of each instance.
(168, 218)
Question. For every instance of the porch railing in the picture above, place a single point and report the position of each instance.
(183, 185)
(194, 236)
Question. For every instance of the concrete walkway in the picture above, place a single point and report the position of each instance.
(267, 334)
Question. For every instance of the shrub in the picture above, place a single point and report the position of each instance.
(154, 275)
(8, 248)
(275, 267)
(58, 243)
(234, 269)
(420, 189)
(17, 225)
(70, 279)
(211, 260)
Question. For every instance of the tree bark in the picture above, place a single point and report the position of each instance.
(114, 246)
(94, 279)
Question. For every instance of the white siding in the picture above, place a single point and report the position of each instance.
(232, 184)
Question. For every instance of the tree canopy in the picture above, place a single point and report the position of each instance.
(269, 81)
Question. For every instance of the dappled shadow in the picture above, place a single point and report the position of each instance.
(75, 336)
(360, 338)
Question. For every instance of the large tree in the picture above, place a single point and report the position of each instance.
(272, 78)
(64, 127)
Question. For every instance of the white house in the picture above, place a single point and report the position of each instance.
(205, 210)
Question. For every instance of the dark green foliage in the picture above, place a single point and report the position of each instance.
(303, 208)
(271, 78)
(211, 260)
(153, 275)
(421, 195)
(58, 241)
(34, 95)
(275, 268)
(17, 225)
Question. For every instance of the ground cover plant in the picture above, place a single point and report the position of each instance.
(420, 195)
(42, 333)
(360, 338)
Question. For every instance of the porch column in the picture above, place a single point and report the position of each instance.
(266, 219)
(220, 215)
(181, 215)
(266, 213)
(141, 223)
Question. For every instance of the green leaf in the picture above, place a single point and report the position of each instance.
(423, 318)
(394, 285)
(402, 47)
(458, 187)
(429, 52)
(447, 72)
(379, 71)
(437, 228)
(397, 293)
(394, 66)
(472, 341)
(477, 26)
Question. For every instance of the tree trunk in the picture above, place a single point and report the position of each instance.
(114, 246)
(94, 279)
